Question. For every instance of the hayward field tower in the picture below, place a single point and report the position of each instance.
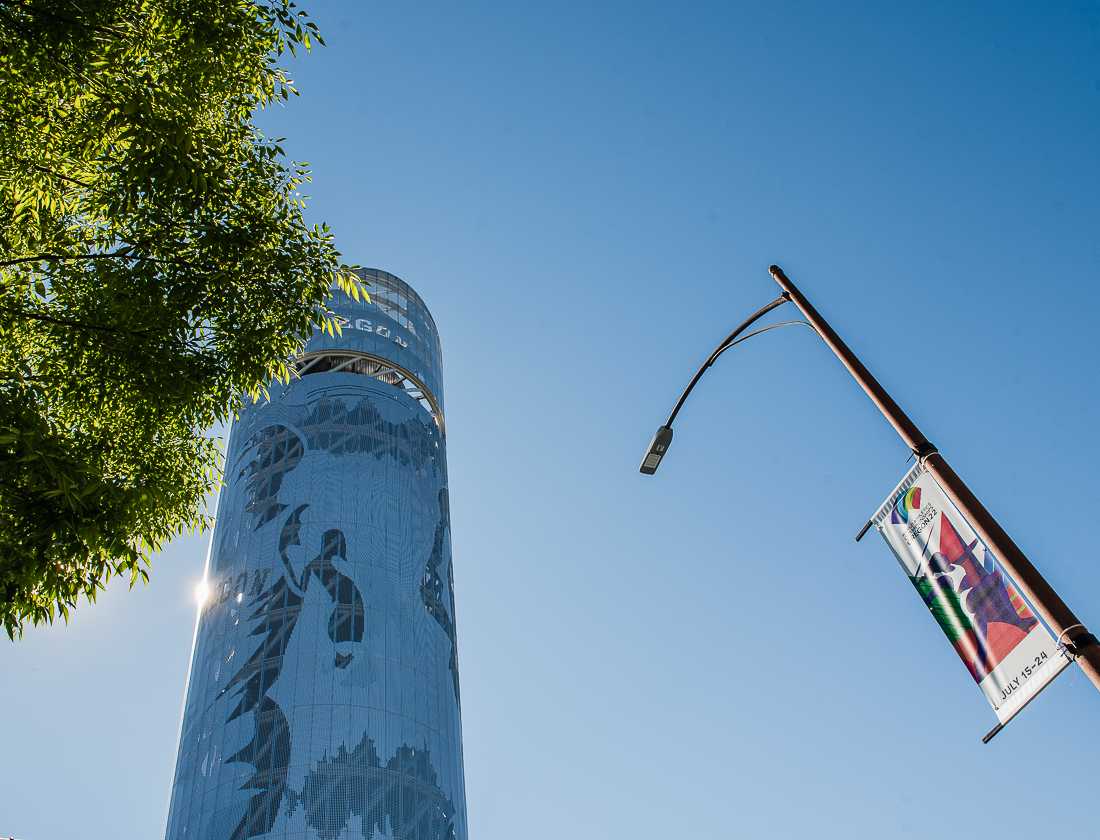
(323, 698)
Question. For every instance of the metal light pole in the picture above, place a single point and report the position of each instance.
(1070, 631)
(1067, 626)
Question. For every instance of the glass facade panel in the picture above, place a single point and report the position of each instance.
(323, 700)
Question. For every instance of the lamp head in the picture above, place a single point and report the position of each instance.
(657, 448)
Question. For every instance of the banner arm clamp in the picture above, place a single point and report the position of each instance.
(924, 450)
(863, 531)
(1078, 643)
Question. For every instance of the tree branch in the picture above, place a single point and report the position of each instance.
(65, 322)
(48, 171)
(31, 11)
(122, 254)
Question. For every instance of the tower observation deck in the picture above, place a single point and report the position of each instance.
(323, 697)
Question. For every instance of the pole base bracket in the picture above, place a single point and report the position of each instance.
(1077, 644)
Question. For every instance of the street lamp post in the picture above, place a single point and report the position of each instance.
(1068, 627)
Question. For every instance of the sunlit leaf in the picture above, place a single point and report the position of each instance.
(156, 272)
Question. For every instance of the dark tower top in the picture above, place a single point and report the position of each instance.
(394, 328)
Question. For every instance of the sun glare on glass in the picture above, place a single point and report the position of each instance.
(202, 592)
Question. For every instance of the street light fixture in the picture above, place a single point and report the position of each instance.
(657, 448)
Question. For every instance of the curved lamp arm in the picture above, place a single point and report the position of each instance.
(769, 327)
(660, 443)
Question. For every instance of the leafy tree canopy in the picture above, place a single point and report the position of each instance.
(155, 271)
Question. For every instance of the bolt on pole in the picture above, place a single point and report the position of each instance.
(1067, 626)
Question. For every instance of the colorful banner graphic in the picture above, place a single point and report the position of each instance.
(1010, 653)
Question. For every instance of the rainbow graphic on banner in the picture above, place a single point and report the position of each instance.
(907, 502)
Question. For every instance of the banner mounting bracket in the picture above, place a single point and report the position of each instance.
(1077, 644)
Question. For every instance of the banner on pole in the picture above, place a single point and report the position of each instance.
(1009, 652)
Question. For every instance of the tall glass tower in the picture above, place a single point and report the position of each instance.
(323, 698)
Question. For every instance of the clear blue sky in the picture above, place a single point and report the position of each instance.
(588, 198)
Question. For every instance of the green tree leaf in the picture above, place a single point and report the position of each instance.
(155, 271)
